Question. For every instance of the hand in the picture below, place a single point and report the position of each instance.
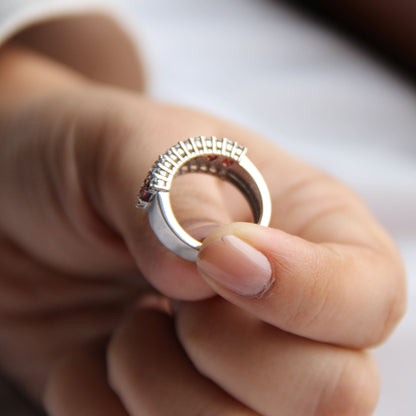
(302, 303)
(74, 252)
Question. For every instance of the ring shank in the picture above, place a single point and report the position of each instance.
(244, 175)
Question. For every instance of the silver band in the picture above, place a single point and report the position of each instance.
(222, 158)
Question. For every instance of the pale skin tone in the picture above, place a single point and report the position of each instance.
(79, 329)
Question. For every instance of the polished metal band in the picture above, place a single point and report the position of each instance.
(222, 158)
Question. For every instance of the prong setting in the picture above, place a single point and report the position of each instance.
(208, 155)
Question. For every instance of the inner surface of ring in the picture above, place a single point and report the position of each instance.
(229, 170)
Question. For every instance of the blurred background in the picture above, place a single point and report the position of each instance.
(316, 91)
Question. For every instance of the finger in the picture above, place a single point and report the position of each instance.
(78, 386)
(152, 375)
(271, 371)
(329, 292)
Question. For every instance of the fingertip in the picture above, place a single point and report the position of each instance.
(236, 265)
(235, 257)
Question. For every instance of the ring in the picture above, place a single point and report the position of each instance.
(221, 157)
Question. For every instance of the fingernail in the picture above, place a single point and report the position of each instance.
(236, 265)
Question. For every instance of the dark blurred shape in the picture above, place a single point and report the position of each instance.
(387, 26)
(13, 402)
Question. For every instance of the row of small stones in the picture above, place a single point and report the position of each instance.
(196, 146)
(197, 167)
(206, 167)
(191, 168)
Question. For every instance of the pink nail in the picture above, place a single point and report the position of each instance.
(236, 265)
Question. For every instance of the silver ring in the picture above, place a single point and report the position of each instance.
(222, 158)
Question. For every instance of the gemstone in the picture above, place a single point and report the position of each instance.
(145, 195)
(211, 158)
(227, 162)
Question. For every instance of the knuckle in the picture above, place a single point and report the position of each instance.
(195, 324)
(397, 311)
(191, 336)
(115, 358)
(351, 391)
(399, 302)
(395, 304)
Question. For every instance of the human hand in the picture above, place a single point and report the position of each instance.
(72, 240)
(302, 303)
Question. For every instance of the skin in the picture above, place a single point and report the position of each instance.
(87, 325)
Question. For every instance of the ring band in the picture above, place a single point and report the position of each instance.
(220, 157)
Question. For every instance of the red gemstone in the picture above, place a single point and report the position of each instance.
(210, 158)
(145, 195)
(227, 162)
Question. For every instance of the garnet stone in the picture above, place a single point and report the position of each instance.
(227, 162)
(144, 194)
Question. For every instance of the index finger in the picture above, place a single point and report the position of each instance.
(327, 271)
